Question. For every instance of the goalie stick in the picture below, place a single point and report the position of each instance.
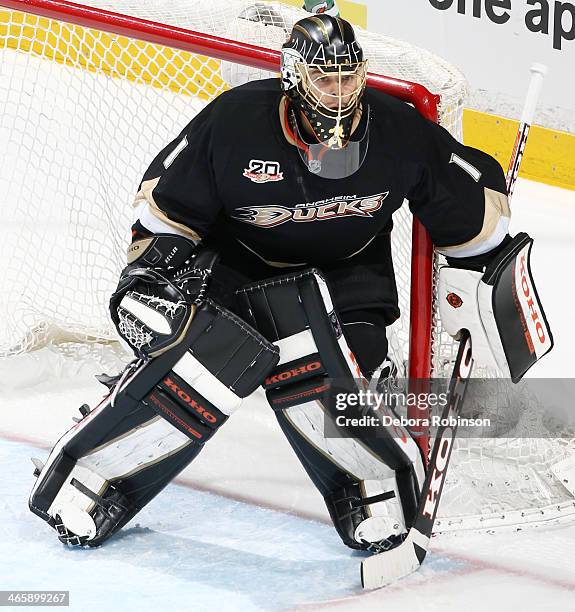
(387, 567)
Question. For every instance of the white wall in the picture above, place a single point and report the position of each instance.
(494, 56)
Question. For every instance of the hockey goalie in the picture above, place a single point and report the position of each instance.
(261, 257)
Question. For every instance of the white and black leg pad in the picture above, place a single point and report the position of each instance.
(155, 420)
(370, 483)
(501, 309)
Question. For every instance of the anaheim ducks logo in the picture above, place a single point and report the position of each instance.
(336, 208)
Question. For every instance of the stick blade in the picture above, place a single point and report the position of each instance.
(387, 567)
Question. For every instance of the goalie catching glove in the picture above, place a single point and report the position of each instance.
(501, 309)
(158, 292)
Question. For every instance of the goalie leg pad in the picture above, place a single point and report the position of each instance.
(381, 473)
(153, 423)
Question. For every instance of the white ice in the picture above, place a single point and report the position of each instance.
(243, 528)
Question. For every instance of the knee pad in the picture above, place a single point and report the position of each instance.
(383, 472)
(154, 421)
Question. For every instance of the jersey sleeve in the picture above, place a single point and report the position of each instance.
(459, 195)
(177, 193)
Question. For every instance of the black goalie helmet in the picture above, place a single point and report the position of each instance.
(323, 76)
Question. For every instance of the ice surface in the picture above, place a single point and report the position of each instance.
(192, 550)
(185, 549)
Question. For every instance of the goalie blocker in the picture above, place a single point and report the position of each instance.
(501, 309)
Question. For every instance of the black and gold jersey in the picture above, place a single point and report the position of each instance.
(232, 178)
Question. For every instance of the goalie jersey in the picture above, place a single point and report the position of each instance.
(233, 178)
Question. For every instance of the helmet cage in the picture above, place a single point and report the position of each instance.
(333, 91)
(323, 75)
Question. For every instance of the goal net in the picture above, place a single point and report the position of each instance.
(90, 94)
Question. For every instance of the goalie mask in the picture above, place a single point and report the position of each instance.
(323, 76)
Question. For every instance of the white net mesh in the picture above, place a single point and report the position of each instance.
(136, 333)
(82, 114)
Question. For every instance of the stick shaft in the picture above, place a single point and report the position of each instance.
(538, 72)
